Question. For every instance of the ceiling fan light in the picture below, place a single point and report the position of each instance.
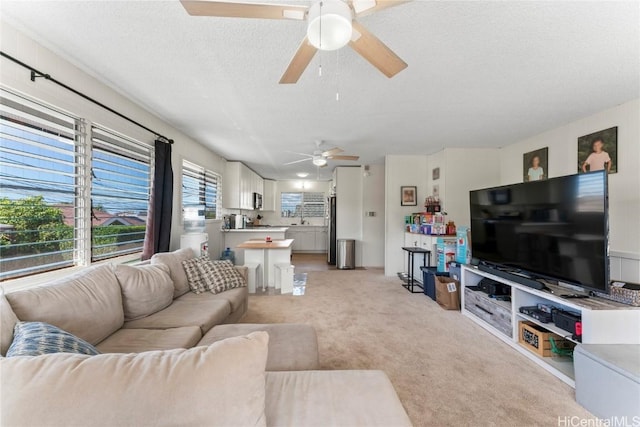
(329, 24)
(302, 174)
(319, 161)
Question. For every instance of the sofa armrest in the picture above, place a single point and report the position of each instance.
(244, 271)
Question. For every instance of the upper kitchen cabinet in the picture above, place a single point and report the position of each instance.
(240, 183)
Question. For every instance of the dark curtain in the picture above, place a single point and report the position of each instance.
(158, 234)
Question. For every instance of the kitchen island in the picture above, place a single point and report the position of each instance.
(267, 254)
(235, 237)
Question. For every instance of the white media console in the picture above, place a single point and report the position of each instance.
(603, 321)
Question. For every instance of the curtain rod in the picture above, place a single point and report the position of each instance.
(36, 74)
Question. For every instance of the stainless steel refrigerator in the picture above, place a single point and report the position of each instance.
(331, 232)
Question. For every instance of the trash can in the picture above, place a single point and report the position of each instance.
(429, 280)
(346, 251)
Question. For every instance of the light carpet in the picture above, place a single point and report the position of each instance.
(447, 370)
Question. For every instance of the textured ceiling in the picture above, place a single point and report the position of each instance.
(481, 74)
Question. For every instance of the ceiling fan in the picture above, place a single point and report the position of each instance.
(331, 26)
(320, 158)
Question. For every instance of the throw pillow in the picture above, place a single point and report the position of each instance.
(220, 276)
(146, 289)
(222, 384)
(37, 338)
(194, 274)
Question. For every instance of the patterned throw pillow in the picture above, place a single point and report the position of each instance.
(215, 276)
(220, 276)
(194, 275)
(37, 338)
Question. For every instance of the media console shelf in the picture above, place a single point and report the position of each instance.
(603, 321)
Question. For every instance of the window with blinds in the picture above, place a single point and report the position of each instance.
(201, 187)
(121, 181)
(38, 186)
(302, 204)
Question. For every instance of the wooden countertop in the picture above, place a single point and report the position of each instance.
(261, 244)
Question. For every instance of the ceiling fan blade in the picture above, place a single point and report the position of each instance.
(367, 7)
(376, 52)
(331, 152)
(299, 63)
(297, 161)
(344, 157)
(300, 154)
(244, 10)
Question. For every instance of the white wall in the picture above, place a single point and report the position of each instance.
(349, 207)
(400, 171)
(274, 218)
(17, 78)
(624, 186)
(373, 227)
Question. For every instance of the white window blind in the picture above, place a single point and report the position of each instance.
(38, 186)
(305, 204)
(201, 187)
(121, 179)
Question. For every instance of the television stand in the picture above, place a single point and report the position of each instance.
(603, 321)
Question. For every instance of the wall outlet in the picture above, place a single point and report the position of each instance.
(369, 214)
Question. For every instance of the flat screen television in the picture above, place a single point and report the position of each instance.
(554, 229)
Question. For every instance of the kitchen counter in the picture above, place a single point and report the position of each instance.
(235, 237)
(261, 244)
(263, 230)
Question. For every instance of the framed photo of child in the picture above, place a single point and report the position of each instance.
(598, 151)
(535, 165)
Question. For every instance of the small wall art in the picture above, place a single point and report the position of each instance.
(435, 174)
(408, 196)
(598, 151)
(535, 165)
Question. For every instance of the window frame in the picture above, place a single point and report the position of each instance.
(309, 199)
(81, 199)
(206, 178)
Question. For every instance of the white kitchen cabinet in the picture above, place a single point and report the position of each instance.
(239, 184)
(309, 239)
(322, 239)
(269, 195)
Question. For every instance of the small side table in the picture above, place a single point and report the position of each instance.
(411, 281)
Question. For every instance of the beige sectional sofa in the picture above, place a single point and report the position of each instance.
(164, 361)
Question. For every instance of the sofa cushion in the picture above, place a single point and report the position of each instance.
(139, 340)
(173, 260)
(87, 304)
(292, 347)
(222, 384)
(214, 276)
(8, 320)
(236, 297)
(145, 289)
(204, 314)
(333, 398)
(37, 338)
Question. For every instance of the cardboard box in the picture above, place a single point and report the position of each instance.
(446, 248)
(536, 339)
(447, 293)
(463, 245)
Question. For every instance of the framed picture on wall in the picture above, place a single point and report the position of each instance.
(435, 174)
(408, 196)
(598, 151)
(535, 165)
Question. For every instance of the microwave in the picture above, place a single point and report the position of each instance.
(257, 201)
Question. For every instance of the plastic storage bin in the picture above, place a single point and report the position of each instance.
(429, 281)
